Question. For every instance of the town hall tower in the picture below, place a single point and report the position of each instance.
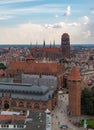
(65, 45)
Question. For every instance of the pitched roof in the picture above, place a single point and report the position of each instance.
(74, 74)
(10, 117)
(28, 91)
(65, 34)
(46, 49)
(30, 57)
(44, 68)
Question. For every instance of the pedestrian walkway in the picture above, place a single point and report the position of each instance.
(60, 115)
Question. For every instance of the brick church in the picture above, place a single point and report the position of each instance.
(53, 53)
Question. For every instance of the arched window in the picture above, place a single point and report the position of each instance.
(6, 105)
(21, 104)
(29, 105)
(44, 105)
(36, 105)
(13, 103)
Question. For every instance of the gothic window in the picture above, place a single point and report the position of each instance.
(36, 105)
(13, 103)
(6, 105)
(28, 105)
(44, 105)
(21, 104)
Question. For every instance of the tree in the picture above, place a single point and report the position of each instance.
(87, 105)
(2, 66)
(63, 60)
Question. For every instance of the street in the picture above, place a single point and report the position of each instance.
(59, 115)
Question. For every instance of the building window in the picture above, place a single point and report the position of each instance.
(13, 103)
(44, 105)
(21, 104)
(36, 105)
(6, 105)
(28, 105)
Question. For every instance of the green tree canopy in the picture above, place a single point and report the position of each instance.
(2, 66)
(87, 102)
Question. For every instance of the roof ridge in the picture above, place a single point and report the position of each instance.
(74, 74)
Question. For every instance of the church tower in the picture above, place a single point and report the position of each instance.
(74, 86)
(65, 45)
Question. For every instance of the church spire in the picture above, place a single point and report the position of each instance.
(50, 45)
(43, 43)
(54, 43)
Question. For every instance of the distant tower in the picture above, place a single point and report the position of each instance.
(54, 43)
(44, 43)
(65, 45)
(74, 85)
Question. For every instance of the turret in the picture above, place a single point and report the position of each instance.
(74, 86)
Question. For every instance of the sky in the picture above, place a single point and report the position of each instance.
(33, 21)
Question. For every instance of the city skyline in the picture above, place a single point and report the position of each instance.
(26, 21)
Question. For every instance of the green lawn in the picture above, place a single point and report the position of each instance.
(90, 123)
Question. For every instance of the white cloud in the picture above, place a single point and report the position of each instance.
(40, 9)
(68, 11)
(5, 17)
(92, 11)
(56, 16)
(26, 33)
(84, 20)
(62, 25)
(14, 1)
(87, 33)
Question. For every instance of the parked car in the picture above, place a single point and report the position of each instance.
(64, 126)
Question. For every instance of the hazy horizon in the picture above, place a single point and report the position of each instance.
(41, 44)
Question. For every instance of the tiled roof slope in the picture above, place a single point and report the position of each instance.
(29, 67)
(53, 49)
(10, 117)
(30, 57)
(74, 74)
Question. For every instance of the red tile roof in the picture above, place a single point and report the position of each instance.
(65, 34)
(30, 57)
(74, 74)
(11, 117)
(36, 68)
(46, 49)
